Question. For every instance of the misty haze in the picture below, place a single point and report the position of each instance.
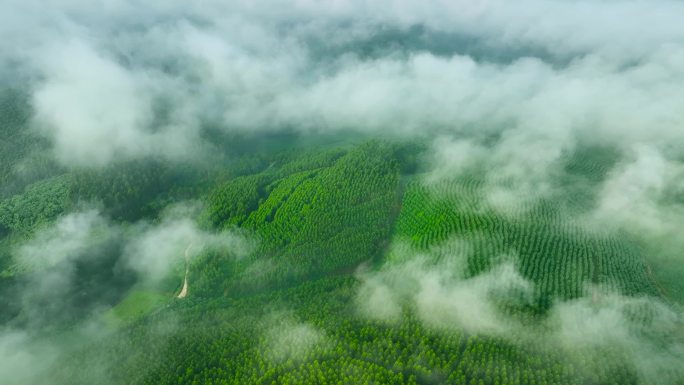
(473, 192)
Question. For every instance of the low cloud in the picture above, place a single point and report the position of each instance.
(97, 111)
(77, 268)
(64, 241)
(511, 89)
(93, 108)
(644, 193)
(442, 297)
(141, 81)
(24, 360)
(157, 248)
(288, 339)
(593, 332)
(643, 331)
(150, 249)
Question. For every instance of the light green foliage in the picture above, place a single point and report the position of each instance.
(317, 221)
(231, 202)
(560, 256)
(288, 312)
(137, 304)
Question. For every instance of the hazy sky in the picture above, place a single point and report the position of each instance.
(546, 72)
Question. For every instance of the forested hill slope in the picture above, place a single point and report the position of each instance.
(312, 217)
(330, 265)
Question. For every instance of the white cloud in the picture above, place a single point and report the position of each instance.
(24, 361)
(252, 65)
(94, 109)
(156, 248)
(441, 296)
(65, 241)
(288, 339)
(641, 329)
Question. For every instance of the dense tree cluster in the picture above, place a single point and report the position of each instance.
(225, 341)
(310, 219)
(287, 312)
(40, 204)
(561, 257)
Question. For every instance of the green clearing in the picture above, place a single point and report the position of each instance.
(137, 304)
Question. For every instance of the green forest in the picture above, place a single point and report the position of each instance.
(342, 192)
(344, 241)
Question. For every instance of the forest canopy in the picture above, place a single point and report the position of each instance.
(341, 192)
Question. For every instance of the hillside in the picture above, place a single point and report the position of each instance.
(358, 272)
(342, 192)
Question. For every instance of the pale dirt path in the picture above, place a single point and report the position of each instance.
(184, 291)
